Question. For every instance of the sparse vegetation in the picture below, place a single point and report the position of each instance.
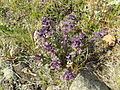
(49, 42)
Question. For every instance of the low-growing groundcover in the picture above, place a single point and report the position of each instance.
(45, 43)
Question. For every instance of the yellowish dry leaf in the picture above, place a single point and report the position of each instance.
(110, 39)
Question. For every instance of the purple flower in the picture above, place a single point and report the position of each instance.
(71, 16)
(69, 24)
(102, 33)
(51, 22)
(65, 31)
(55, 64)
(65, 25)
(92, 39)
(40, 33)
(47, 35)
(97, 35)
(78, 37)
(37, 56)
(45, 28)
(68, 75)
(75, 15)
(81, 35)
(47, 46)
(68, 57)
(45, 31)
(45, 20)
(76, 40)
(73, 23)
(74, 45)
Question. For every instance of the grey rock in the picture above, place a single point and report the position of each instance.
(86, 80)
(111, 71)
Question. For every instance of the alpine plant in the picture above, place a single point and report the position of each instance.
(63, 43)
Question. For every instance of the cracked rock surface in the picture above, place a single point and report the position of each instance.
(86, 80)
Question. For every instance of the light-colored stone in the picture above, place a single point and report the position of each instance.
(111, 72)
(86, 80)
(50, 88)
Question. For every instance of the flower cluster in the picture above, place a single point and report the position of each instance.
(37, 57)
(67, 74)
(45, 33)
(68, 24)
(77, 40)
(47, 26)
(47, 21)
(55, 64)
(69, 39)
(98, 35)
